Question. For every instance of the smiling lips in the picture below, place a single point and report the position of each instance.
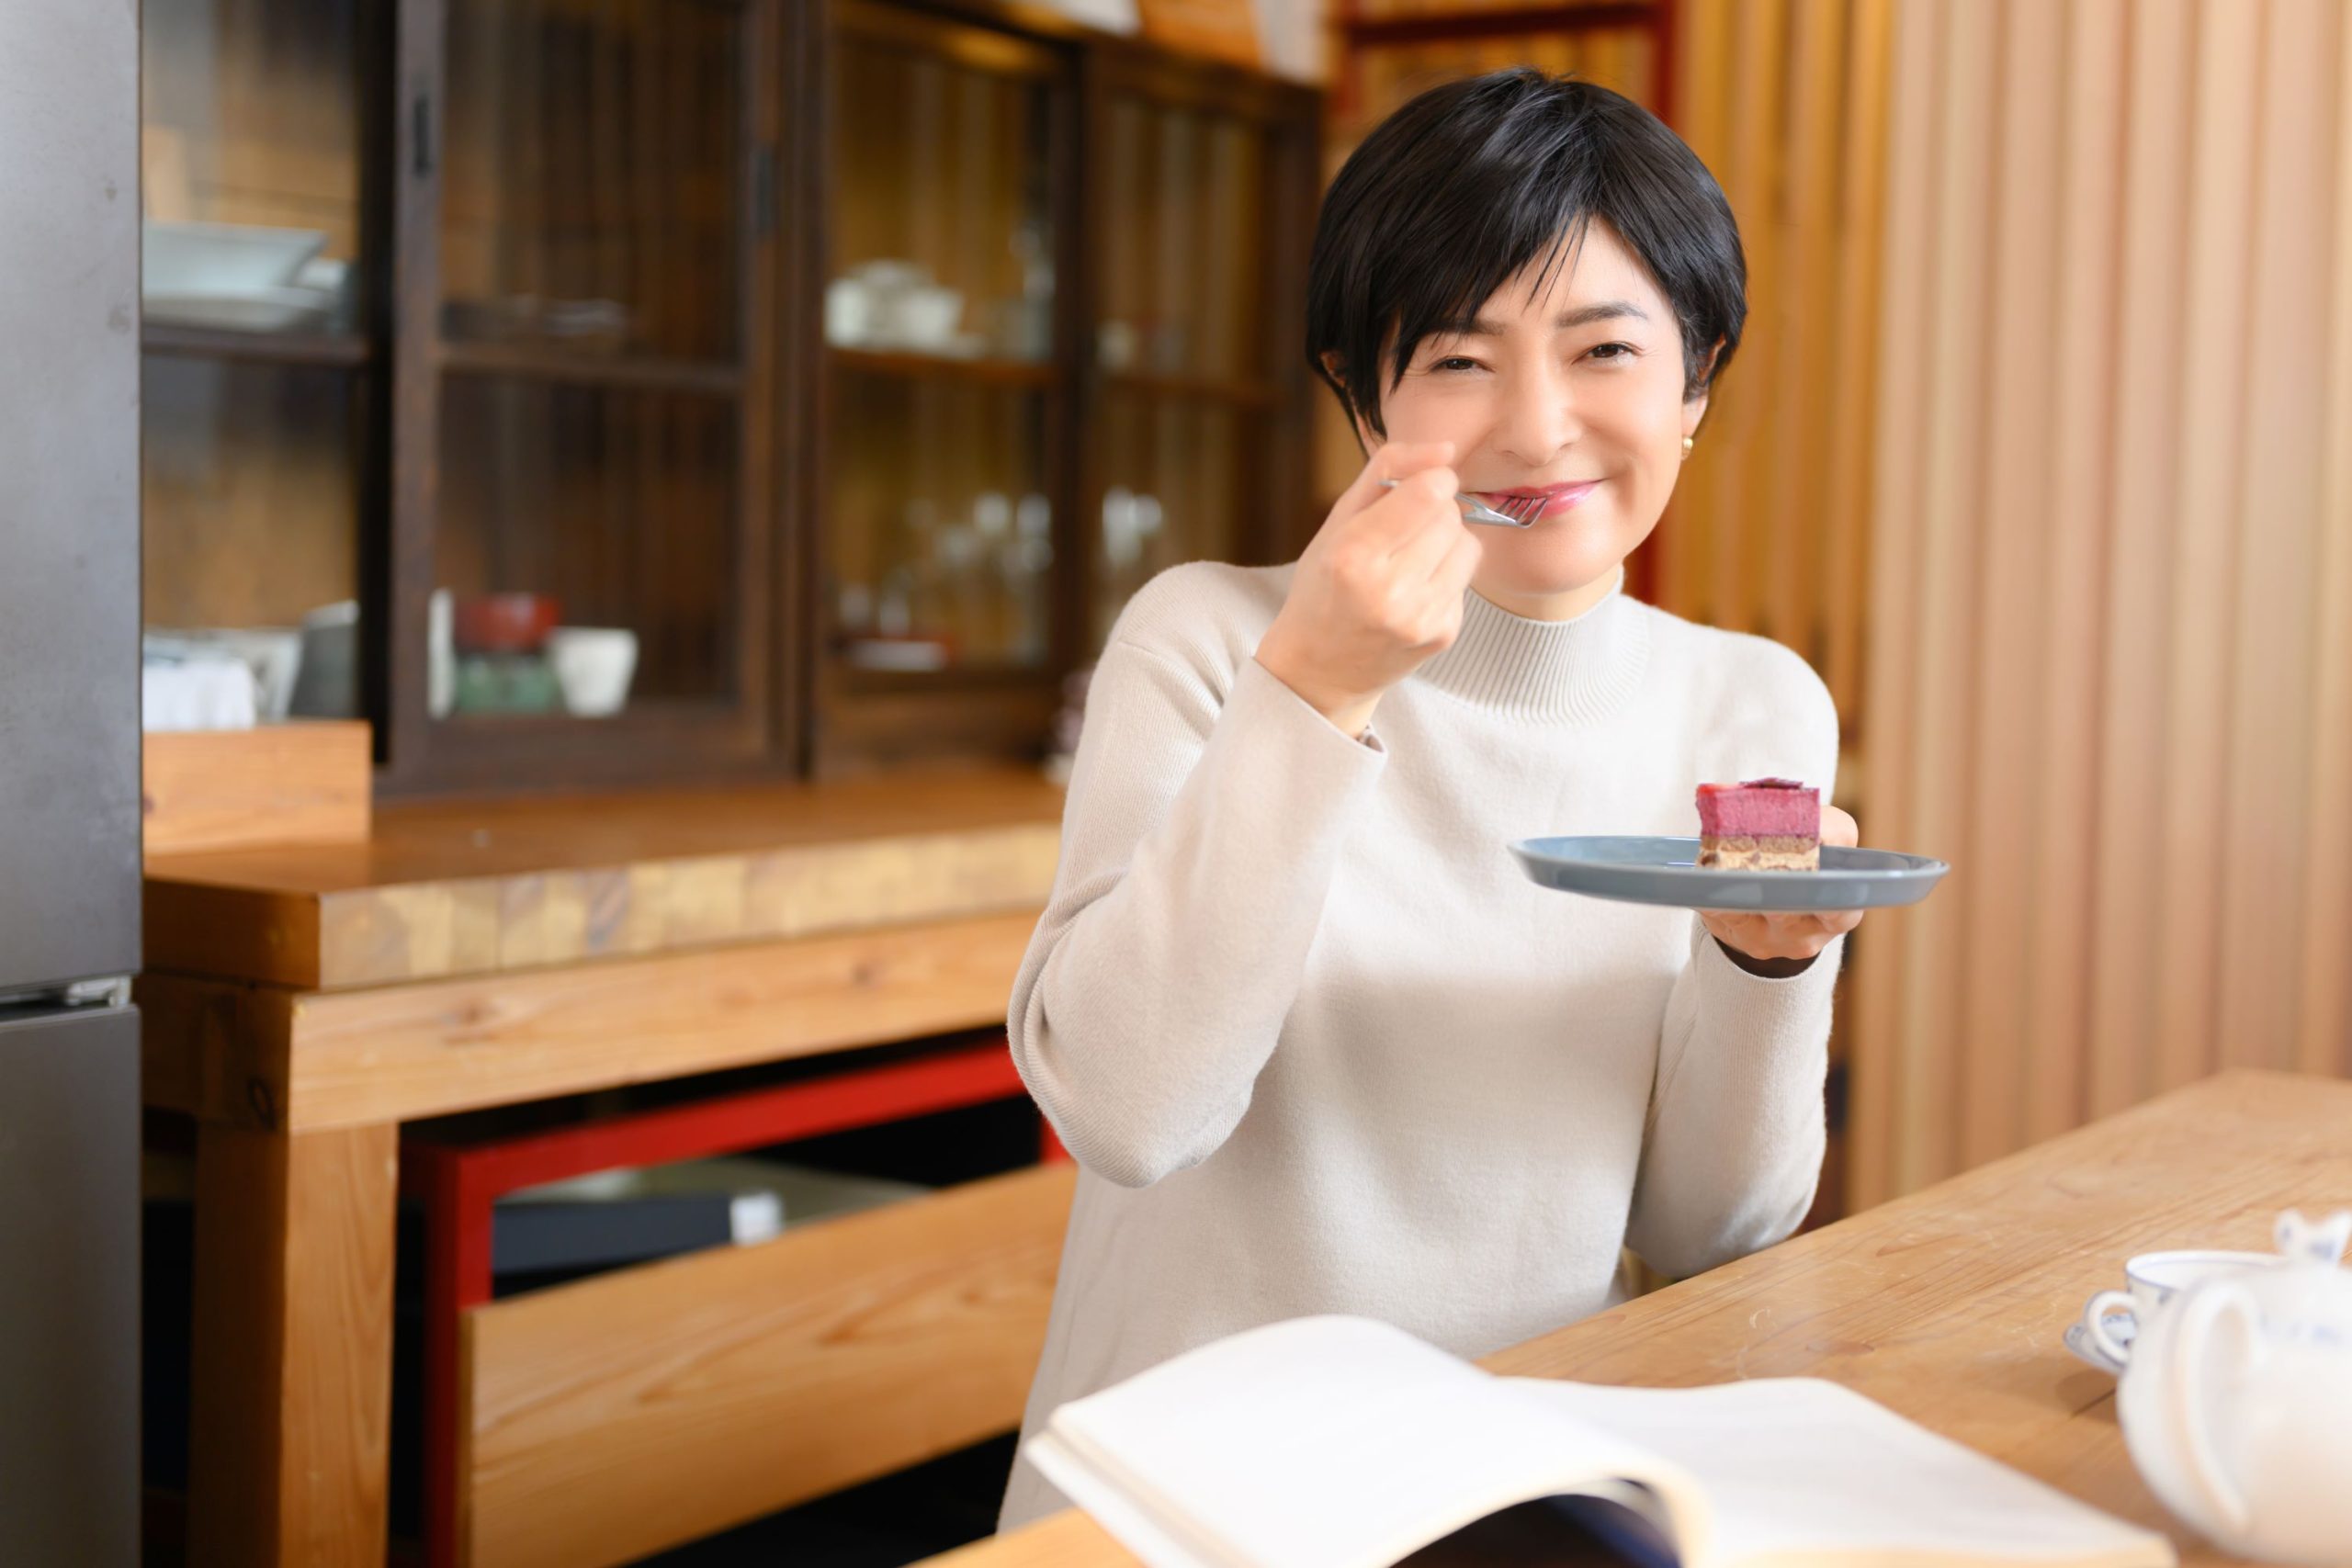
(1559, 498)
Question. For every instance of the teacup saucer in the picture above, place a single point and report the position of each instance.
(2080, 1344)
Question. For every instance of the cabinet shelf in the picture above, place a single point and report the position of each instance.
(938, 367)
(534, 363)
(260, 348)
(596, 250)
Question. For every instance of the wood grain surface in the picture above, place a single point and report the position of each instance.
(278, 785)
(265, 1058)
(448, 889)
(628, 1412)
(292, 1382)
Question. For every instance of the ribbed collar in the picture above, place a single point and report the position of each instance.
(1546, 671)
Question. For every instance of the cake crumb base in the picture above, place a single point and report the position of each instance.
(1767, 853)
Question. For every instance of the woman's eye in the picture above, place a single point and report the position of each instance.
(1608, 350)
(1455, 362)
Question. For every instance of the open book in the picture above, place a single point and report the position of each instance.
(1338, 1442)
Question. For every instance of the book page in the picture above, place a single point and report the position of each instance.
(1337, 1443)
(1801, 1470)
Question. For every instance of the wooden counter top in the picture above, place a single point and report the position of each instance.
(444, 889)
(1948, 1306)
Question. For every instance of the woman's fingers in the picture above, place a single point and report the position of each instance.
(1442, 553)
(1355, 622)
(1397, 460)
(1408, 518)
(1780, 935)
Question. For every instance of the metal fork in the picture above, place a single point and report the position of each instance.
(1516, 511)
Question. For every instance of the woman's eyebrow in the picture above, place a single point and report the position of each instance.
(1582, 316)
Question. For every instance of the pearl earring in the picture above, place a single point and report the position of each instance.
(1689, 442)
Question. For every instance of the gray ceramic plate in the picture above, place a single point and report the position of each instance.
(1661, 871)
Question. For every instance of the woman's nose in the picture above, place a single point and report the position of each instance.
(1538, 420)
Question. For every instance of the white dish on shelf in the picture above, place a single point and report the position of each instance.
(962, 345)
(901, 654)
(254, 310)
(241, 259)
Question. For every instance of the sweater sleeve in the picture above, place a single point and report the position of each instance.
(1198, 846)
(1731, 1151)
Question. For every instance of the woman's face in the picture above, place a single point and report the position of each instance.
(1574, 391)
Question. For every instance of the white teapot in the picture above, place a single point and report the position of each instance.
(2237, 1401)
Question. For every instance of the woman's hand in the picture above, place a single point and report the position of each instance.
(1379, 590)
(1778, 945)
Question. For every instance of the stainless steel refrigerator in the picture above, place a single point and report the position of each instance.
(69, 782)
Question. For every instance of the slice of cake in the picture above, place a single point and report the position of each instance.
(1762, 825)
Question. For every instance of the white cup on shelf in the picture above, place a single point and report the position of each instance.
(593, 665)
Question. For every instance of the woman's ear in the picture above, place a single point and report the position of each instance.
(1694, 408)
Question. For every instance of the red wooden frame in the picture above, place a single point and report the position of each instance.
(458, 1186)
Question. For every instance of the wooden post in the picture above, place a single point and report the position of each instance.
(293, 1355)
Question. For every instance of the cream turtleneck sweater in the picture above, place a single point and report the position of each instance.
(1319, 1046)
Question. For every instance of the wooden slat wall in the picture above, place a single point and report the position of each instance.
(2109, 661)
(1785, 100)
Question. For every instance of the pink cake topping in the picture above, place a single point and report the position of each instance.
(1759, 808)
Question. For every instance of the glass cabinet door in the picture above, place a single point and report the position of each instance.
(589, 200)
(256, 385)
(594, 550)
(1196, 339)
(943, 390)
(1183, 293)
(942, 549)
(249, 166)
(940, 190)
(1182, 477)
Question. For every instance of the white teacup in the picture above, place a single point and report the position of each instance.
(2156, 1278)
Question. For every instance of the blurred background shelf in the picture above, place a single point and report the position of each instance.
(644, 372)
(752, 333)
(261, 348)
(987, 372)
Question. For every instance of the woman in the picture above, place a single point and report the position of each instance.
(1315, 1042)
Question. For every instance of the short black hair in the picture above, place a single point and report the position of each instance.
(1455, 193)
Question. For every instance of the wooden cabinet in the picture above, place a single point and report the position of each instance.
(944, 479)
(669, 390)
(586, 407)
